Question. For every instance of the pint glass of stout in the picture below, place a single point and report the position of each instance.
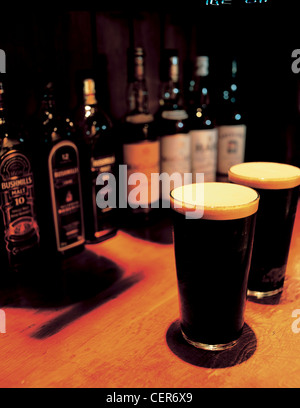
(277, 185)
(212, 254)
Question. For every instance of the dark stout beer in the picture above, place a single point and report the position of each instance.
(277, 185)
(212, 260)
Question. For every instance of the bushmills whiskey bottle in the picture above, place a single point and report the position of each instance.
(58, 181)
(20, 235)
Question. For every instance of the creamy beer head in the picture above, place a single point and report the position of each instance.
(215, 201)
(265, 175)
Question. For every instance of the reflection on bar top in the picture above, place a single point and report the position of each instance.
(265, 175)
(217, 201)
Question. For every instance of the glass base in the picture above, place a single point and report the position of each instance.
(211, 347)
(262, 295)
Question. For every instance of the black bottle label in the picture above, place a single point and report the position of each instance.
(99, 166)
(21, 232)
(66, 195)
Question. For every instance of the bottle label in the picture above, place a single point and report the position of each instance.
(21, 232)
(174, 114)
(66, 196)
(143, 158)
(204, 153)
(175, 157)
(231, 147)
(140, 118)
(202, 64)
(98, 166)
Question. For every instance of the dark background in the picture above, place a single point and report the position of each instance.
(50, 42)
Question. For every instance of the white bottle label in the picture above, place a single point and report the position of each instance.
(231, 147)
(204, 153)
(142, 158)
(140, 118)
(202, 64)
(175, 157)
(175, 115)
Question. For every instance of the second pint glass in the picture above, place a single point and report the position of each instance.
(278, 187)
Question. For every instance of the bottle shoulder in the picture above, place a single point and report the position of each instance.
(173, 121)
(137, 131)
(92, 122)
(230, 116)
(55, 131)
(202, 117)
(16, 138)
(11, 151)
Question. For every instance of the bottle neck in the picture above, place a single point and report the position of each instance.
(2, 106)
(174, 70)
(90, 99)
(171, 96)
(200, 94)
(139, 69)
(230, 94)
(48, 104)
(48, 110)
(89, 92)
(137, 94)
(138, 97)
(2, 114)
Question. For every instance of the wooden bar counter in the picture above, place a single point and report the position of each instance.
(112, 321)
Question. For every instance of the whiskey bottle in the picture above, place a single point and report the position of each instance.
(20, 235)
(140, 145)
(172, 127)
(202, 124)
(59, 198)
(231, 125)
(98, 166)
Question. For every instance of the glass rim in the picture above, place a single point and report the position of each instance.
(237, 210)
(269, 178)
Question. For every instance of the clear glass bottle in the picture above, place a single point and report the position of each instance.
(202, 124)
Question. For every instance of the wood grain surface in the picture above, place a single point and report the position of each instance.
(112, 321)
